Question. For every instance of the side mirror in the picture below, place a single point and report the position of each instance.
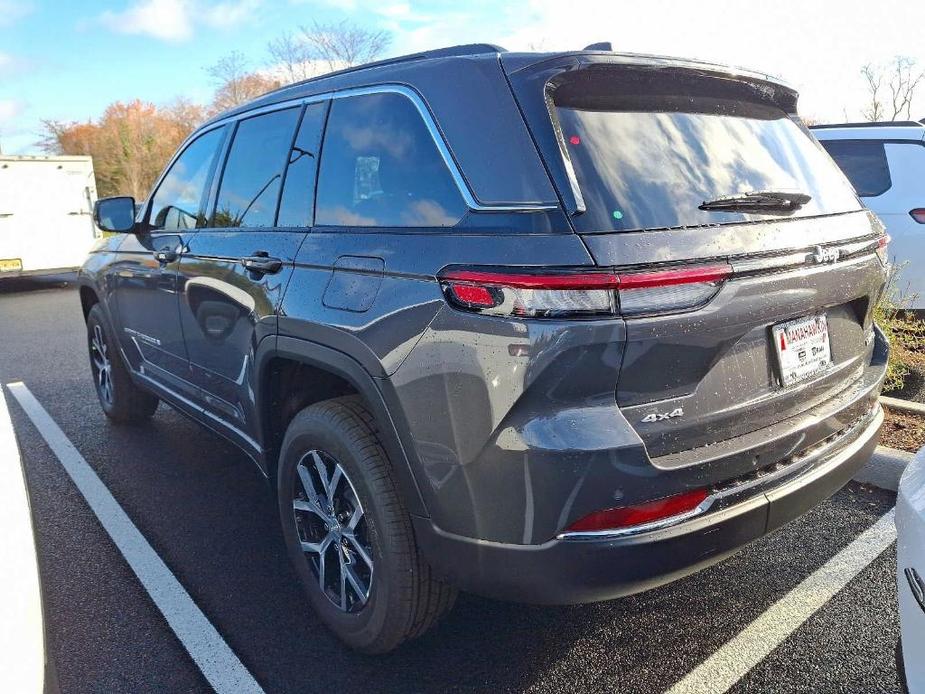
(115, 214)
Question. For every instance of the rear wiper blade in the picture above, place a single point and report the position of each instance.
(759, 200)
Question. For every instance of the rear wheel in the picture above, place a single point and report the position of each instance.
(122, 401)
(348, 533)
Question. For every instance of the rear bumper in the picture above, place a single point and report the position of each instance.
(574, 570)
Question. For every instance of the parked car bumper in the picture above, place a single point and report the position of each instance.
(575, 569)
(910, 572)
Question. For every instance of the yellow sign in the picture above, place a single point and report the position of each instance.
(10, 265)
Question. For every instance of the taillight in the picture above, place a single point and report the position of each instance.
(918, 214)
(670, 290)
(529, 294)
(640, 514)
(883, 251)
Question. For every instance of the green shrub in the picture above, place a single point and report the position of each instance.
(906, 335)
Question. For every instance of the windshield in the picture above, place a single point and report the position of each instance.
(647, 154)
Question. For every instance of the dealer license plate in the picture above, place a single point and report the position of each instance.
(802, 347)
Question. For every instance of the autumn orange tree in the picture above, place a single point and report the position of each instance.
(130, 143)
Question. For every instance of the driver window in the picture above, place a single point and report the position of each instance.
(177, 204)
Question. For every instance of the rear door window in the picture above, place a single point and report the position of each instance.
(178, 202)
(647, 153)
(250, 183)
(864, 163)
(380, 167)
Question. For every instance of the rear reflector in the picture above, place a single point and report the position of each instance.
(628, 516)
(582, 294)
(918, 214)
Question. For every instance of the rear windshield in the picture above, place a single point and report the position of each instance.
(648, 152)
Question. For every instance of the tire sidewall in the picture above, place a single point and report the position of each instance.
(309, 431)
(94, 318)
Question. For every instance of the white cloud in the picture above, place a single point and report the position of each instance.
(168, 20)
(226, 14)
(176, 20)
(10, 109)
(12, 11)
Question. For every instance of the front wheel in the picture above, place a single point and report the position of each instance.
(348, 533)
(122, 401)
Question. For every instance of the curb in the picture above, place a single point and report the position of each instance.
(903, 405)
(885, 467)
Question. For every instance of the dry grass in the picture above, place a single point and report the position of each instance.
(906, 334)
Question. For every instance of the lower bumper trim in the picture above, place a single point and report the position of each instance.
(564, 571)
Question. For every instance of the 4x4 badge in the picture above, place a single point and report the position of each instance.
(660, 416)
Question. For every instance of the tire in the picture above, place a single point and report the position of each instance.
(403, 598)
(122, 401)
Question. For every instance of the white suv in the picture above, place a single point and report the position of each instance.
(886, 164)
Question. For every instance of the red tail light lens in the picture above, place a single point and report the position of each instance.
(628, 516)
(582, 294)
(918, 214)
(883, 248)
(528, 295)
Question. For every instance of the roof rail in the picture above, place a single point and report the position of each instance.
(871, 124)
(463, 49)
(448, 52)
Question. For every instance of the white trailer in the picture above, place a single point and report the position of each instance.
(46, 213)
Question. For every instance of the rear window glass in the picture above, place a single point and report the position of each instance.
(380, 167)
(864, 163)
(647, 154)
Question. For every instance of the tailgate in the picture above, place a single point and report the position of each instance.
(710, 176)
(718, 366)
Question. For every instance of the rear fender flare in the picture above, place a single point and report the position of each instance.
(371, 389)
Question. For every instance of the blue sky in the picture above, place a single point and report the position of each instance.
(68, 60)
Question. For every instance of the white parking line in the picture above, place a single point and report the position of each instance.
(22, 640)
(218, 663)
(730, 663)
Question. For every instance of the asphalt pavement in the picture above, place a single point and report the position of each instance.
(210, 517)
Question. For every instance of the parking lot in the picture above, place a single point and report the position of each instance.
(204, 509)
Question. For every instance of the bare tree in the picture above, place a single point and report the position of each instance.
(235, 83)
(873, 111)
(903, 83)
(342, 44)
(291, 58)
(902, 78)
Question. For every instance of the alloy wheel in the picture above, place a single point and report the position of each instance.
(333, 531)
(102, 366)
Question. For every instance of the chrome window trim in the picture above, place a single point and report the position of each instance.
(415, 98)
(580, 205)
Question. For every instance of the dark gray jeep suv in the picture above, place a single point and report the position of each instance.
(547, 327)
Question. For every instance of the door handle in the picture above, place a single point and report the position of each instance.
(166, 255)
(262, 263)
